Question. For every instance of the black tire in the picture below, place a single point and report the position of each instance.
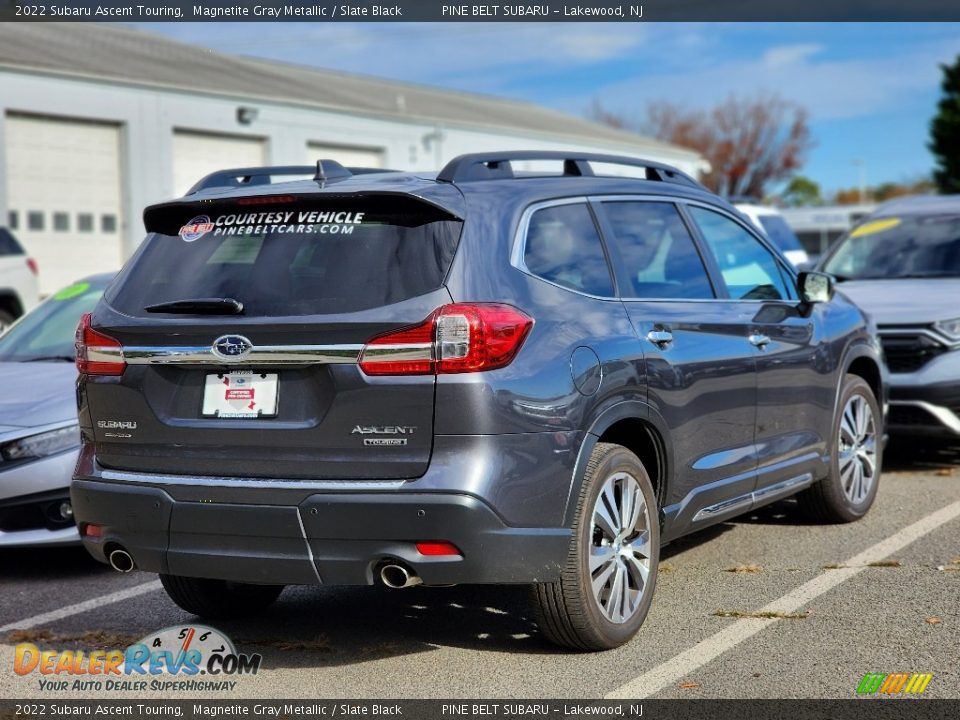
(219, 599)
(826, 501)
(568, 612)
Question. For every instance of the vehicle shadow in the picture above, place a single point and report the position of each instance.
(64, 562)
(348, 625)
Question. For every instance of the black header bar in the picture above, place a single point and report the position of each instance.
(457, 11)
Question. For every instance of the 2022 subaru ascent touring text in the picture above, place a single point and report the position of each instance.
(485, 376)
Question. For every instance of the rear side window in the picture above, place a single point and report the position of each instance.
(657, 252)
(563, 246)
(749, 270)
(9, 244)
(291, 257)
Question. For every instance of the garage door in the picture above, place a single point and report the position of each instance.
(64, 195)
(347, 156)
(198, 154)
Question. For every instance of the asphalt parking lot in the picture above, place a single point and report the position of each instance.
(764, 606)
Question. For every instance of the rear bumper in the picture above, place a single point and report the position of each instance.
(327, 538)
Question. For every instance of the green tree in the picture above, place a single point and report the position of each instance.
(801, 191)
(945, 131)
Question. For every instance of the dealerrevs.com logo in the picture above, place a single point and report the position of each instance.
(187, 658)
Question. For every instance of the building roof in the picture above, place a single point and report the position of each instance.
(120, 54)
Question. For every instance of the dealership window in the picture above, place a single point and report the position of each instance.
(108, 223)
(35, 220)
(61, 221)
(13, 220)
(85, 222)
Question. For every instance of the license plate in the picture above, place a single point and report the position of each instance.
(240, 394)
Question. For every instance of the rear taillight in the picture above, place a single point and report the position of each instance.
(32, 264)
(97, 354)
(458, 338)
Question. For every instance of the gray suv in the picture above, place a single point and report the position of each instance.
(483, 376)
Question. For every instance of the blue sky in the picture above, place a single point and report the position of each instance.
(870, 88)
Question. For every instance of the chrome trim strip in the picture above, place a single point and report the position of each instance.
(723, 507)
(786, 487)
(755, 498)
(907, 331)
(211, 481)
(518, 249)
(945, 416)
(394, 353)
(260, 355)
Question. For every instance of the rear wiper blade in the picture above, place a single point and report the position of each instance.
(199, 306)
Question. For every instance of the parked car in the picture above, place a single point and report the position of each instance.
(902, 266)
(39, 435)
(18, 280)
(473, 378)
(774, 226)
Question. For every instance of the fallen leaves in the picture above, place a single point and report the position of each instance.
(885, 563)
(933, 620)
(688, 685)
(747, 569)
(944, 472)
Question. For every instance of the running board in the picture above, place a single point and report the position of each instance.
(753, 499)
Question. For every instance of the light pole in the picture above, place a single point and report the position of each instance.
(861, 165)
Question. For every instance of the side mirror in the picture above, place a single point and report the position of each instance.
(815, 287)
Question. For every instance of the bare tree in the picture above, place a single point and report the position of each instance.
(749, 142)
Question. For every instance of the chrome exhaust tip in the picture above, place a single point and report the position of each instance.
(121, 561)
(397, 576)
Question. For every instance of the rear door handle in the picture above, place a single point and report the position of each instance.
(660, 338)
(758, 340)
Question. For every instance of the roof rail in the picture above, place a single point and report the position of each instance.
(325, 171)
(497, 166)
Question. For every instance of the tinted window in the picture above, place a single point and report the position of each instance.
(35, 220)
(61, 221)
(13, 219)
(108, 223)
(297, 258)
(900, 247)
(749, 270)
(780, 233)
(563, 246)
(657, 252)
(9, 244)
(85, 222)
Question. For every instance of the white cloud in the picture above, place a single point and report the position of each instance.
(830, 89)
(790, 54)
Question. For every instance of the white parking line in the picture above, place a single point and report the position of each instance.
(684, 664)
(83, 607)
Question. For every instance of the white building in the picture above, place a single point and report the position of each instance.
(819, 227)
(98, 121)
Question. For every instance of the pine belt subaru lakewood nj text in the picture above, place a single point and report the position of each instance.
(517, 371)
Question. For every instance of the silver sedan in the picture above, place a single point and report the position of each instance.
(39, 434)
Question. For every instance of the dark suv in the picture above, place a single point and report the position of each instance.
(485, 376)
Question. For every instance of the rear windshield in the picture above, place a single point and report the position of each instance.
(287, 256)
(780, 233)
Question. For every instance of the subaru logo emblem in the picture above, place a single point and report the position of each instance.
(232, 347)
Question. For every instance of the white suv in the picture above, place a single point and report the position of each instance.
(18, 280)
(771, 222)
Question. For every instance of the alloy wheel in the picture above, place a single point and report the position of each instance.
(620, 547)
(858, 449)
